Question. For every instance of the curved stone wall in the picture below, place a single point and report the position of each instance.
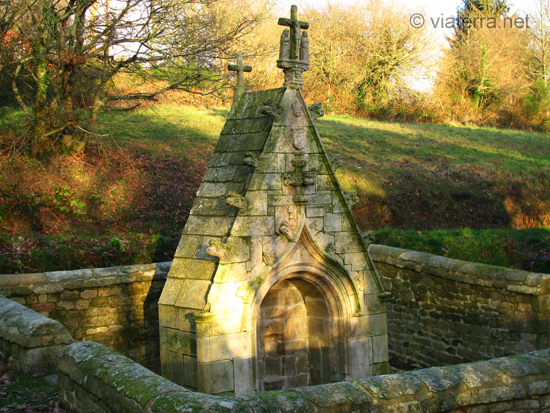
(93, 378)
(115, 306)
(446, 311)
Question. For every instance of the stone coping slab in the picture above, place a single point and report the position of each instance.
(58, 281)
(463, 271)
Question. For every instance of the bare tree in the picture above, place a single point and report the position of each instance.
(365, 53)
(61, 57)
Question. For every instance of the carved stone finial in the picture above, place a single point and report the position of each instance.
(252, 160)
(316, 111)
(352, 198)
(295, 31)
(298, 50)
(238, 201)
(272, 109)
(336, 161)
(240, 68)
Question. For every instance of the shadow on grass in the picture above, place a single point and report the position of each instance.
(434, 176)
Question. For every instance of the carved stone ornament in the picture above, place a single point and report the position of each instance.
(217, 249)
(359, 282)
(299, 163)
(297, 109)
(316, 227)
(288, 227)
(299, 138)
(272, 109)
(352, 198)
(252, 160)
(234, 250)
(286, 230)
(299, 178)
(316, 111)
(268, 257)
(238, 201)
(294, 49)
(336, 161)
(304, 47)
(240, 68)
(368, 237)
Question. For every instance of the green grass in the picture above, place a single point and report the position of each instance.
(375, 149)
(165, 130)
(513, 248)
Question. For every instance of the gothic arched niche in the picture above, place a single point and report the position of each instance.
(298, 334)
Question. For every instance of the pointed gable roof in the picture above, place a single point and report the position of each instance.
(269, 178)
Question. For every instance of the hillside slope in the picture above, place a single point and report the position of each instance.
(127, 197)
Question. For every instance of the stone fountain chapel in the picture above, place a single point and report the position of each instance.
(271, 286)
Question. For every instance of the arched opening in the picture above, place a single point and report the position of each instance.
(298, 341)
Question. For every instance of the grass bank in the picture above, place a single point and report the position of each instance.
(526, 249)
(127, 197)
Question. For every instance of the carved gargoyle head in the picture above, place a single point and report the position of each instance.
(217, 249)
(352, 198)
(316, 110)
(238, 201)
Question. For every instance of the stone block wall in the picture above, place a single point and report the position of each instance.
(445, 311)
(31, 342)
(115, 306)
(93, 378)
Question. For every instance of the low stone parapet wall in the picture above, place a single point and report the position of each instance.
(446, 311)
(115, 306)
(93, 378)
(31, 342)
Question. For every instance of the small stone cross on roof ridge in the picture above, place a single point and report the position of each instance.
(240, 68)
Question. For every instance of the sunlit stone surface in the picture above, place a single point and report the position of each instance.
(271, 286)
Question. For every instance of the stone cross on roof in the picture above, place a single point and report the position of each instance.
(294, 49)
(240, 68)
(295, 31)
